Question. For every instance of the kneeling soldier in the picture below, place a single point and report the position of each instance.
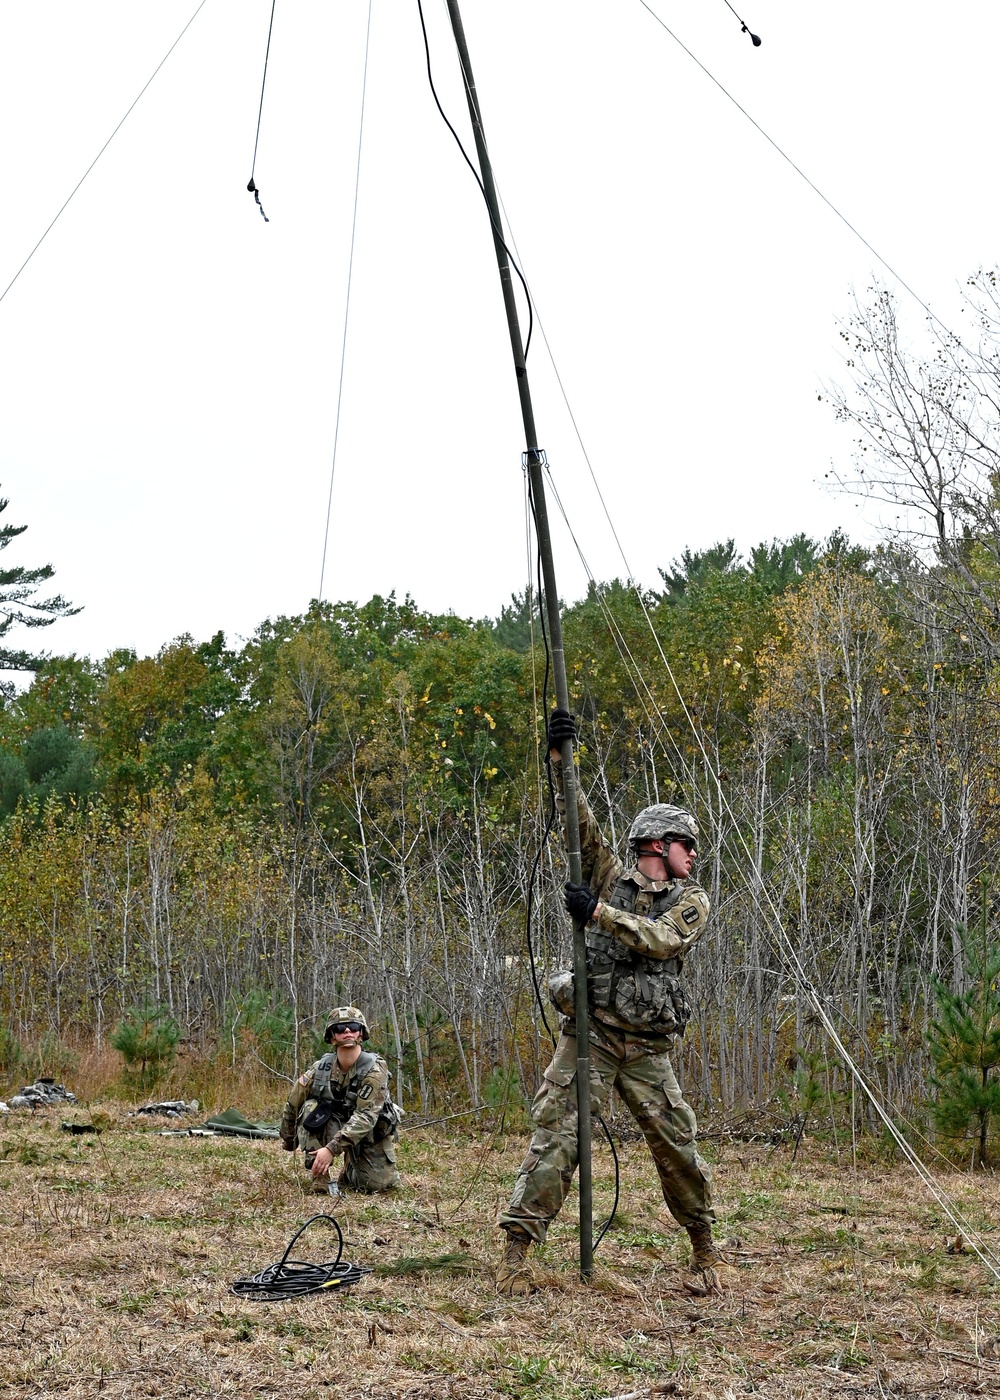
(342, 1104)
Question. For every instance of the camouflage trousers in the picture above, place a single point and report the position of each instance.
(639, 1068)
(368, 1165)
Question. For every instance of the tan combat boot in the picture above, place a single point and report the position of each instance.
(711, 1272)
(513, 1272)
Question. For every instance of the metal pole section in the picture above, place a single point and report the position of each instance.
(534, 460)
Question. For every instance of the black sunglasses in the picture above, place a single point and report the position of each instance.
(689, 845)
(352, 1026)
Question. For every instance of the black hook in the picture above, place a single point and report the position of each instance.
(754, 38)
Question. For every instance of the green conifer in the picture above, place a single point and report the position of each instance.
(964, 1042)
(146, 1038)
(19, 605)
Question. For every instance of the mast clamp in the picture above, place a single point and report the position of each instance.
(536, 457)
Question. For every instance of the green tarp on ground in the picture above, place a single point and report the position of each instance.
(234, 1124)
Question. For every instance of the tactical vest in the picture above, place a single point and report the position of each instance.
(642, 993)
(340, 1100)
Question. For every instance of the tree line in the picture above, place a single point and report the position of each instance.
(349, 806)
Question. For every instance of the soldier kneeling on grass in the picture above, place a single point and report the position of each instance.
(342, 1105)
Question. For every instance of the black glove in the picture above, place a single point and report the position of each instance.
(581, 901)
(561, 726)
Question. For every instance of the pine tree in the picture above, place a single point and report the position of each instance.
(18, 604)
(146, 1038)
(964, 1041)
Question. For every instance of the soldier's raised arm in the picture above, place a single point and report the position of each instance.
(600, 866)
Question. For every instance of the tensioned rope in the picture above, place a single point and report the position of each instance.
(770, 914)
(660, 732)
(347, 306)
(854, 1243)
(786, 949)
(798, 170)
(101, 151)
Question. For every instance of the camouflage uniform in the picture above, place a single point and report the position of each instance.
(363, 1122)
(634, 1008)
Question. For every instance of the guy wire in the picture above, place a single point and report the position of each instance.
(100, 153)
(798, 170)
(770, 916)
(859, 1277)
(781, 943)
(347, 306)
(648, 701)
(772, 922)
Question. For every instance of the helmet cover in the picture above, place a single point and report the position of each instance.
(661, 821)
(339, 1015)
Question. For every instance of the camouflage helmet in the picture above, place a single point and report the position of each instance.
(658, 822)
(339, 1015)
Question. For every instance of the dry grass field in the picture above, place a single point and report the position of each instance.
(118, 1252)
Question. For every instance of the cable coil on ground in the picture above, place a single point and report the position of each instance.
(294, 1278)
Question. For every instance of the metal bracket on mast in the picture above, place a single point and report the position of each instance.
(533, 460)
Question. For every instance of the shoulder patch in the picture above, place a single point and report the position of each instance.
(305, 1079)
(365, 1092)
(690, 915)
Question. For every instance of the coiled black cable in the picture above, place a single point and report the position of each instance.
(294, 1278)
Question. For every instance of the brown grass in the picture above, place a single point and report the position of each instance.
(118, 1253)
(97, 1073)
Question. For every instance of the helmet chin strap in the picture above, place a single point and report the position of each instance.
(654, 855)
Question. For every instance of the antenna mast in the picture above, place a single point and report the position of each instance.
(534, 460)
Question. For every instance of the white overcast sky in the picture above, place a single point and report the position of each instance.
(170, 362)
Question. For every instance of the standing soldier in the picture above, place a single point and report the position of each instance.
(342, 1104)
(640, 923)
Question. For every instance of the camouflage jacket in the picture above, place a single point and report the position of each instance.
(637, 945)
(359, 1099)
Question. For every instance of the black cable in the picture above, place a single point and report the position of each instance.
(550, 820)
(267, 54)
(614, 1206)
(294, 1278)
(534, 868)
(528, 917)
(476, 177)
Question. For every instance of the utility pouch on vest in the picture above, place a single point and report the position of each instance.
(562, 993)
(680, 1003)
(319, 1117)
(389, 1118)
